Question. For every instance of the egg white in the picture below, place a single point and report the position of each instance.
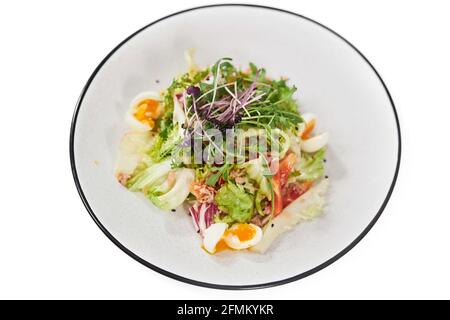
(213, 235)
(315, 143)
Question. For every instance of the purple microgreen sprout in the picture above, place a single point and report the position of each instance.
(193, 91)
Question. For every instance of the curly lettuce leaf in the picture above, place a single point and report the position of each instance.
(165, 145)
(181, 83)
(235, 202)
(312, 165)
(224, 219)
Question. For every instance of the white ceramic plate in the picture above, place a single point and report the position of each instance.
(335, 81)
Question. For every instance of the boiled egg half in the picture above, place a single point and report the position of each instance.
(243, 236)
(311, 143)
(309, 122)
(239, 236)
(144, 109)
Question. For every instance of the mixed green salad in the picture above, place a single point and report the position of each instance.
(231, 146)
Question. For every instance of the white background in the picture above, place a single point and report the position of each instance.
(50, 247)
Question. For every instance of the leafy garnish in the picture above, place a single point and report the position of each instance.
(223, 97)
(234, 201)
(180, 84)
(217, 173)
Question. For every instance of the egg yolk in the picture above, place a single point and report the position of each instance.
(221, 245)
(147, 111)
(308, 129)
(244, 232)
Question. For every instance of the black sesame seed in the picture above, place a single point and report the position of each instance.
(326, 177)
(157, 81)
(324, 160)
(272, 225)
(173, 210)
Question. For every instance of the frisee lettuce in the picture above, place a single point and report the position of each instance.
(312, 165)
(234, 201)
